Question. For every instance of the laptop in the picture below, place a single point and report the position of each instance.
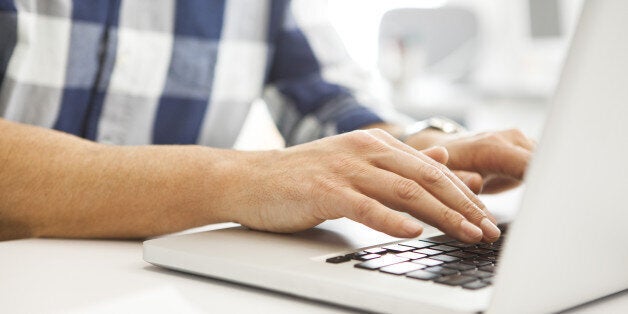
(566, 246)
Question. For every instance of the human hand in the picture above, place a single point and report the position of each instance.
(490, 162)
(367, 176)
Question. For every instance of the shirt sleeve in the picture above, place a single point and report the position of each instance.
(307, 95)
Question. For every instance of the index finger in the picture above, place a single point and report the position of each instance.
(509, 160)
(465, 201)
(453, 177)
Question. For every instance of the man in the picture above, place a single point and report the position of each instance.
(113, 77)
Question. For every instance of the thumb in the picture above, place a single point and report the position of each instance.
(438, 153)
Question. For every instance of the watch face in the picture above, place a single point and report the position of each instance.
(445, 125)
(442, 124)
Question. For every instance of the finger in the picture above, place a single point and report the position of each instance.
(494, 184)
(473, 180)
(372, 213)
(406, 195)
(518, 138)
(468, 203)
(392, 141)
(506, 160)
(438, 154)
(433, 178)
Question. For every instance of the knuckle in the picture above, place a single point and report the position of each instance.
(378, 131)
(432, 175)
(322, 187)
(345, 163)
(516, 133)
(363, 209)
(407, 189)
(443, 169)
(450, 217)
(471, 211)
(321, 190)
(360, 137)
(493, 138)
(365, 140)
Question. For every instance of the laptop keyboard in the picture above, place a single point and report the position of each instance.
(440, 259)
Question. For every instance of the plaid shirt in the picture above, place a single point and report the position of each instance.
(134, 72)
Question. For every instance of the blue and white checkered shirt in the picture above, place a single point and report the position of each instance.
(134, 72)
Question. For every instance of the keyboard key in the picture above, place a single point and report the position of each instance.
(441, 239)
(497, 245)
(361, 253)
(477, 273)
(488, 268)
(491, 259)
(367, 257)
(338, 259)
(417, 244)
(445, 248)
(429, 252)
(459, 266)
(461, 245)
(489, 246)
(411, 255)
(427, 261)
(385, 260)
(478, 251)
(475, 262)
(375, 250)
(462, 254)
(455, 280)
(401, 268)
(396, 248)
(445, 258)
(474, 285)
(441, 270)
(423, 275)
(488, 280)
(503, 227)
(493, 253)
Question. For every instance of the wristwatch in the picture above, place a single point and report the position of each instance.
(442, 124)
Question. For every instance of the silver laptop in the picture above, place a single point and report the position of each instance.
(566, 246)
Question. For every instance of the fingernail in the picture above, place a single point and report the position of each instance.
(472, 231)
(412, 228)
(492, 232)
(488, 214)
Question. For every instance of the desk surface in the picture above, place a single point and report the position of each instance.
(44, 275)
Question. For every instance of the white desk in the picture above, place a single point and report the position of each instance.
(78, 276)
(75, 276)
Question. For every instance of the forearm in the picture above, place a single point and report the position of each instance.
(56, 185)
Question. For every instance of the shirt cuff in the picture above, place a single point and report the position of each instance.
(356, 118)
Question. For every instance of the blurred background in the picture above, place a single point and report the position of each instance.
(488, 64)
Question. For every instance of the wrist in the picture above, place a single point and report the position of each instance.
(222, 183)
(393, 129)
(243, 183)
(427, 133)
(428, 138)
